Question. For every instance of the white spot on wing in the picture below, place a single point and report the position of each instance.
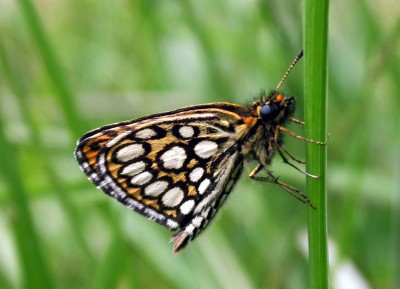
(224, 123)
(172, 224)
(220, 182)
(187, 207)
(133, 169)
(189, 229)
(153, 215)
(156, 188)
(145, 133)
(186, 131)
(197, 221)
(204, 186)
(115, 140)
(196, 174)
(174, 158)
(94, 177)
(205, 149)
(130, 152)
(141, 178)
(173, 197)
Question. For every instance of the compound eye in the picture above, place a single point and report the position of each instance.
(268, 112)
(290, 101)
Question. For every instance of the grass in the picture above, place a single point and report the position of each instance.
(74, 66)
(34, 268)
(315, 91)
(62, 92)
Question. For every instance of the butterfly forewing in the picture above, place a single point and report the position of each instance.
(175, 168)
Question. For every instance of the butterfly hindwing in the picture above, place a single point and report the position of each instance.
(210, 204)
(173, 168)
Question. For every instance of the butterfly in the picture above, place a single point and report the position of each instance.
(177, 168)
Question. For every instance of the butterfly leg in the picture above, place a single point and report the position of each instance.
(296, 120)
(284, 158)
(292, 134)
(292, 156)
(256, 170)
(272, 179)
(286, 161)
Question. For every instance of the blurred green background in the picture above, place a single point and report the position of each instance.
(70, 66)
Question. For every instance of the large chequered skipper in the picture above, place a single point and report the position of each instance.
(178, 167)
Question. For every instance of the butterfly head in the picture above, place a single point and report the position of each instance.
(277, 108)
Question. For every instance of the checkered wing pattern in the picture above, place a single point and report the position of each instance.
(175, 168)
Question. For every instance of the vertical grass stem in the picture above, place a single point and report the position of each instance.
(315, 52)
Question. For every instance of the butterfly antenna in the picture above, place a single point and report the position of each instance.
(296, 59)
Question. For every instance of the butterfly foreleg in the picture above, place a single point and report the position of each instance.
(296, 120)
(292, 134)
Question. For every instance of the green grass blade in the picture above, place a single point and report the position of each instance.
(316, 31)
(51, 63)
(11, 77)
(34, 270)
(109, 270)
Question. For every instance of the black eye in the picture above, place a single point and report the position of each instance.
(268, 112)
(290, 102)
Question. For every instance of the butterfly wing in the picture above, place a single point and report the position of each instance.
(215, 196)
(175, 168)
